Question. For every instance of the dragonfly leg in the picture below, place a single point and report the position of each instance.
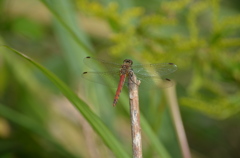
(131, 73)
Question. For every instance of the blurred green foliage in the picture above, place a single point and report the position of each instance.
(201, 37)
(193, 34)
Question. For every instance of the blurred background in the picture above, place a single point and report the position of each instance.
(202, 37)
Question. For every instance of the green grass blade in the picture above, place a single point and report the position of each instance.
(67, 27)
(83, 108)
(162, 152)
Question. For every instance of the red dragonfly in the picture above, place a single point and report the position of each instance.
(144, 72)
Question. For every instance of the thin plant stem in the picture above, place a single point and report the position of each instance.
(177, 121)
(135, 116)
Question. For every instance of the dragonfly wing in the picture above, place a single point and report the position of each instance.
(155, 70)
(152, 74)
(110, 78)
(96, 63)
(147, 81)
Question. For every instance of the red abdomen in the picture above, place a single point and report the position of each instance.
(119, 89)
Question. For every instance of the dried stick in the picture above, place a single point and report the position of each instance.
(176, 116)
(135, 116)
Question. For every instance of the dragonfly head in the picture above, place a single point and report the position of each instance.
(128, 62)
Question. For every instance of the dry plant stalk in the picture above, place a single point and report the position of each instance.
(178, 124)
(135, 116)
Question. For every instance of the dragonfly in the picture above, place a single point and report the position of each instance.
(146, 73)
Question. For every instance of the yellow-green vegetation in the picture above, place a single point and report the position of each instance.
(194, 34)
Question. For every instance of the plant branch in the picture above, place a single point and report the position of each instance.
(135, 116)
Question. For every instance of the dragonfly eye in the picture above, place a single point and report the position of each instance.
(128, 61)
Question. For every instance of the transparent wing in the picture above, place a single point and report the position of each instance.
(95, 63)
(147, 82)
(154, 70)
(152, 74)
(110, 78)
(148, 74)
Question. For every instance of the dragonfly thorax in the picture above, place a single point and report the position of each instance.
(125, 69)
(126, 66)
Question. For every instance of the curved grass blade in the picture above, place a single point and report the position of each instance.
(82, 107)
(159, 147)
(67, 27)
